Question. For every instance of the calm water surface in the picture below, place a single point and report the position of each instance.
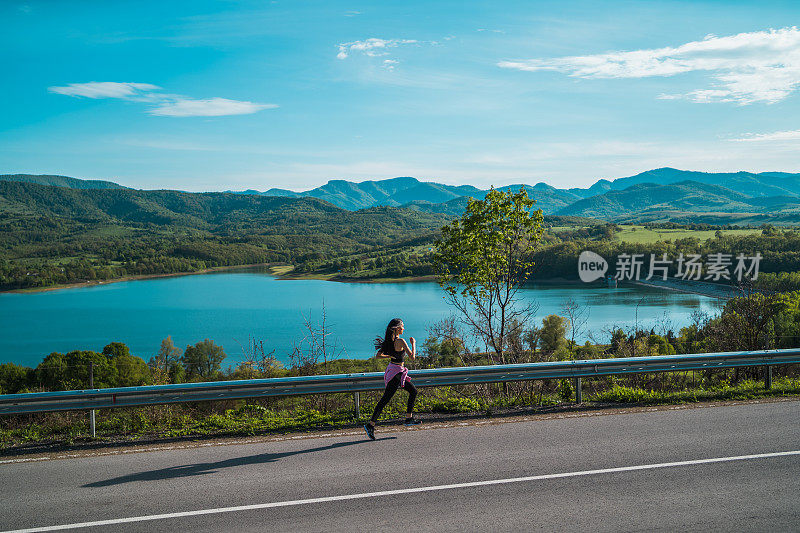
(230, 307)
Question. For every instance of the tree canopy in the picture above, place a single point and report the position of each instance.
(483, 258)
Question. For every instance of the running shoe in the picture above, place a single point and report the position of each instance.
(370, 431)
(412, 421)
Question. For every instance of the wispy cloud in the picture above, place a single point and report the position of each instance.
(105, 89)
(170, 105)
(372, 47)
(210, 107)
(791, 135)
(762, 66)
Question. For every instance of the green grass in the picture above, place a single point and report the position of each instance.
(641, 235)
(745, 390)
(247, 418)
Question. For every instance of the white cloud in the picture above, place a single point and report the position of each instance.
(371, 47)
(170, 105)
(104, 89)
(389, 64)
(762, 66)
(210, 107)
(791, 135)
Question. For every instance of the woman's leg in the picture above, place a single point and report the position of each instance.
(391, 388)
(412, 395)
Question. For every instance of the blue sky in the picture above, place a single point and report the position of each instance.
(205, 96)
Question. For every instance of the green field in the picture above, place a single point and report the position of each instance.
(642, 235)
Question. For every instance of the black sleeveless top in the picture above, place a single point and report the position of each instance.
(396, 357)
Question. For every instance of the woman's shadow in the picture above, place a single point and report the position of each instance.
(199, 469)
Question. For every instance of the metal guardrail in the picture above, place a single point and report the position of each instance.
(354, 383)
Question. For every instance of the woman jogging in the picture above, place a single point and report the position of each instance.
(396, 375)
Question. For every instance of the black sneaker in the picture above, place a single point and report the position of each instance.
(370, 431)
(412, 421)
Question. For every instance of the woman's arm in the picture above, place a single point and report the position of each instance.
(412, 352)
(380, 355)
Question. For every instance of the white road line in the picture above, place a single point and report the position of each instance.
(343, 497)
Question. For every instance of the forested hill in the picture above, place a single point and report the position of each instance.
(61, 181)
(392, 192)
(51, 235)
(688, 195)
(208, 211)
(686, 202)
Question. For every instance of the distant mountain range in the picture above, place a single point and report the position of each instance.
(410, 192)
(664, 194)
(658, 195)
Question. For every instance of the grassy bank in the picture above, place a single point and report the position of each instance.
(283, 415)
(288, 272)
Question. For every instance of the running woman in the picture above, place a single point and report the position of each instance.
(396, 375)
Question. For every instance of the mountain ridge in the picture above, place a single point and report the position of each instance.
(659, 194)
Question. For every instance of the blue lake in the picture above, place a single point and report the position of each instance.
(230, 307)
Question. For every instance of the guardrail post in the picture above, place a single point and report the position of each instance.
(578, 391)
(357, 404)
(768, 377)
(91, 386)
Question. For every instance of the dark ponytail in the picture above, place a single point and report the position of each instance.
(386, 344)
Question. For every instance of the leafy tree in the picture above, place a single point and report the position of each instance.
(445, 344)
(618, 340)
(552, 334)
(131, 371)
(482, 260)
(116, 349)
(167, 354)
(202, 360)
(176, 373)
(14, 378)
(71, 371)
(746, 322)
(532, 338)
(660, 344)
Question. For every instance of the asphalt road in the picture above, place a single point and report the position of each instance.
(580, 469)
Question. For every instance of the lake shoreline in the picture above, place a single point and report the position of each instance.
(713, 290)
(284, 272)
(96, 283)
